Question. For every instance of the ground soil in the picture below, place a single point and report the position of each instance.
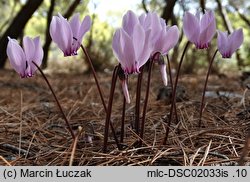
(33, 132)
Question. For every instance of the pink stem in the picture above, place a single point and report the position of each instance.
(205, 87)
(172, 89)
(174, 95)
(123, 119)
(100, 91)
(137, 102)
(58, 104)
(146, 98)
(109, 110)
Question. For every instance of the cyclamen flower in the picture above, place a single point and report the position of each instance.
(199, 30)
(228, 44)
(21, 59)
(162, 38)
(130, 46)
(68, 35)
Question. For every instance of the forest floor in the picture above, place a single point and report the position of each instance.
(32, 131)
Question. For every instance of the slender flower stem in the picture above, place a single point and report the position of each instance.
(205, 87)
(123, 120)
(174, 94)
(99, 90)
(138, 101)
(108, 115)
(58, 104)
(172, 89)
(146, 98)
(95, 76)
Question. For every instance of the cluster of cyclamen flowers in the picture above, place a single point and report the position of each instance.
(145, 37)
(140, 39)
(67, 35)
(201, 29)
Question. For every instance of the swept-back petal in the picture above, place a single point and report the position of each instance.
(156, 26)
(129, 21)
(206, 19)
(85, 26)
(129, 63)
(235, 40)
(138, 40)
(142, 19)
(208, 28)
(61, 34)
(29, 48)
(117, 45)
(147, 49)
(191, 27)
(75, 25)
(38, 55)
(160, 43)
(16, 56)
(172, 36)
(222, 41)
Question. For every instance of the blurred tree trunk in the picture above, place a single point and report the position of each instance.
(46, 46)
(242, 16)
(10, 17)
(144, 6)
(16, 27)
(203, 6)
(168, 10)
(224, 17)
(47, 34)
(229, 28)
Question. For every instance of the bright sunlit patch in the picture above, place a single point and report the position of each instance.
(112, 10)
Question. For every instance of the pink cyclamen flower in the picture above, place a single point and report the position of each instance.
(199, 30)
(68, 35)
(162, 38)
(131, 47)
(21, 59)
(228, 44)
(166, 41)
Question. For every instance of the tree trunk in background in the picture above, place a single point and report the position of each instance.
(224, 17)
(47, 34)
(144, 6)
(10, 17)
(16, 27)
(203, 6)
(46, 46)
(229, 28)
(168, 10)
(244, 18)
